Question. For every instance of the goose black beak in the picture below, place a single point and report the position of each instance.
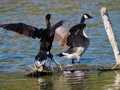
(90, 17)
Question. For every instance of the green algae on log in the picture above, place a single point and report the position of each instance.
(36, 73)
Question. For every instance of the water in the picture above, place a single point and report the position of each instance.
(67, 81)
(17, 51)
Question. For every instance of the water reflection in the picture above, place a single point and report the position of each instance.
(76, 80)
(116, 84)
(80, 80)
(66, 81)
(32, 12)
(17, 52)
(117, 80)
(44, 84)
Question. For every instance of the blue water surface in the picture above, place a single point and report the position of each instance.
(18, 51)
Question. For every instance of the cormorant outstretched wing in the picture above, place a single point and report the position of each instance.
(23, 29)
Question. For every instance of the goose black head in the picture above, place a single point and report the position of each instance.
(87, 16)
(84, 17)
(48, 16)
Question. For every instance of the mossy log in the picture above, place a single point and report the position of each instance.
(72, 68)
(116, 66)
(87, 68)
(36, 73)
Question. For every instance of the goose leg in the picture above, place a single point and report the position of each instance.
(52, 59)
(50, 55)
(57, 64)
(78, 59)
(72, 61)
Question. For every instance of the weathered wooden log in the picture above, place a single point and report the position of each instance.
(70, 68)
(110, 34)
(87, 68)
(36, 73)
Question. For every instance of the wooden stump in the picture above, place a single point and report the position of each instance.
(111, 35)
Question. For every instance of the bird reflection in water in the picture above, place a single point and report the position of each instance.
(68, 80)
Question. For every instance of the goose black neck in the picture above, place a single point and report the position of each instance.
(48, 23)
(82, 19)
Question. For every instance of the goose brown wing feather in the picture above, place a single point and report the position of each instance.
(61, 35)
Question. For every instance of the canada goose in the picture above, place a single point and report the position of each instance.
(75, 39)
(45, 35)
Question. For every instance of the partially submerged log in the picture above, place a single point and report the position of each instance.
(35, 71)
(71, 68)
(111, 36)
(79, 67)
(87, 68)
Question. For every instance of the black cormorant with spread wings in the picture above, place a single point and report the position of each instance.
(75, 39)
(46, 35)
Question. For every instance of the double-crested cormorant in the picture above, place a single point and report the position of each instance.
(46, 35)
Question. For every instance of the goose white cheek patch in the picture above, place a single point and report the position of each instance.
(85, 16)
